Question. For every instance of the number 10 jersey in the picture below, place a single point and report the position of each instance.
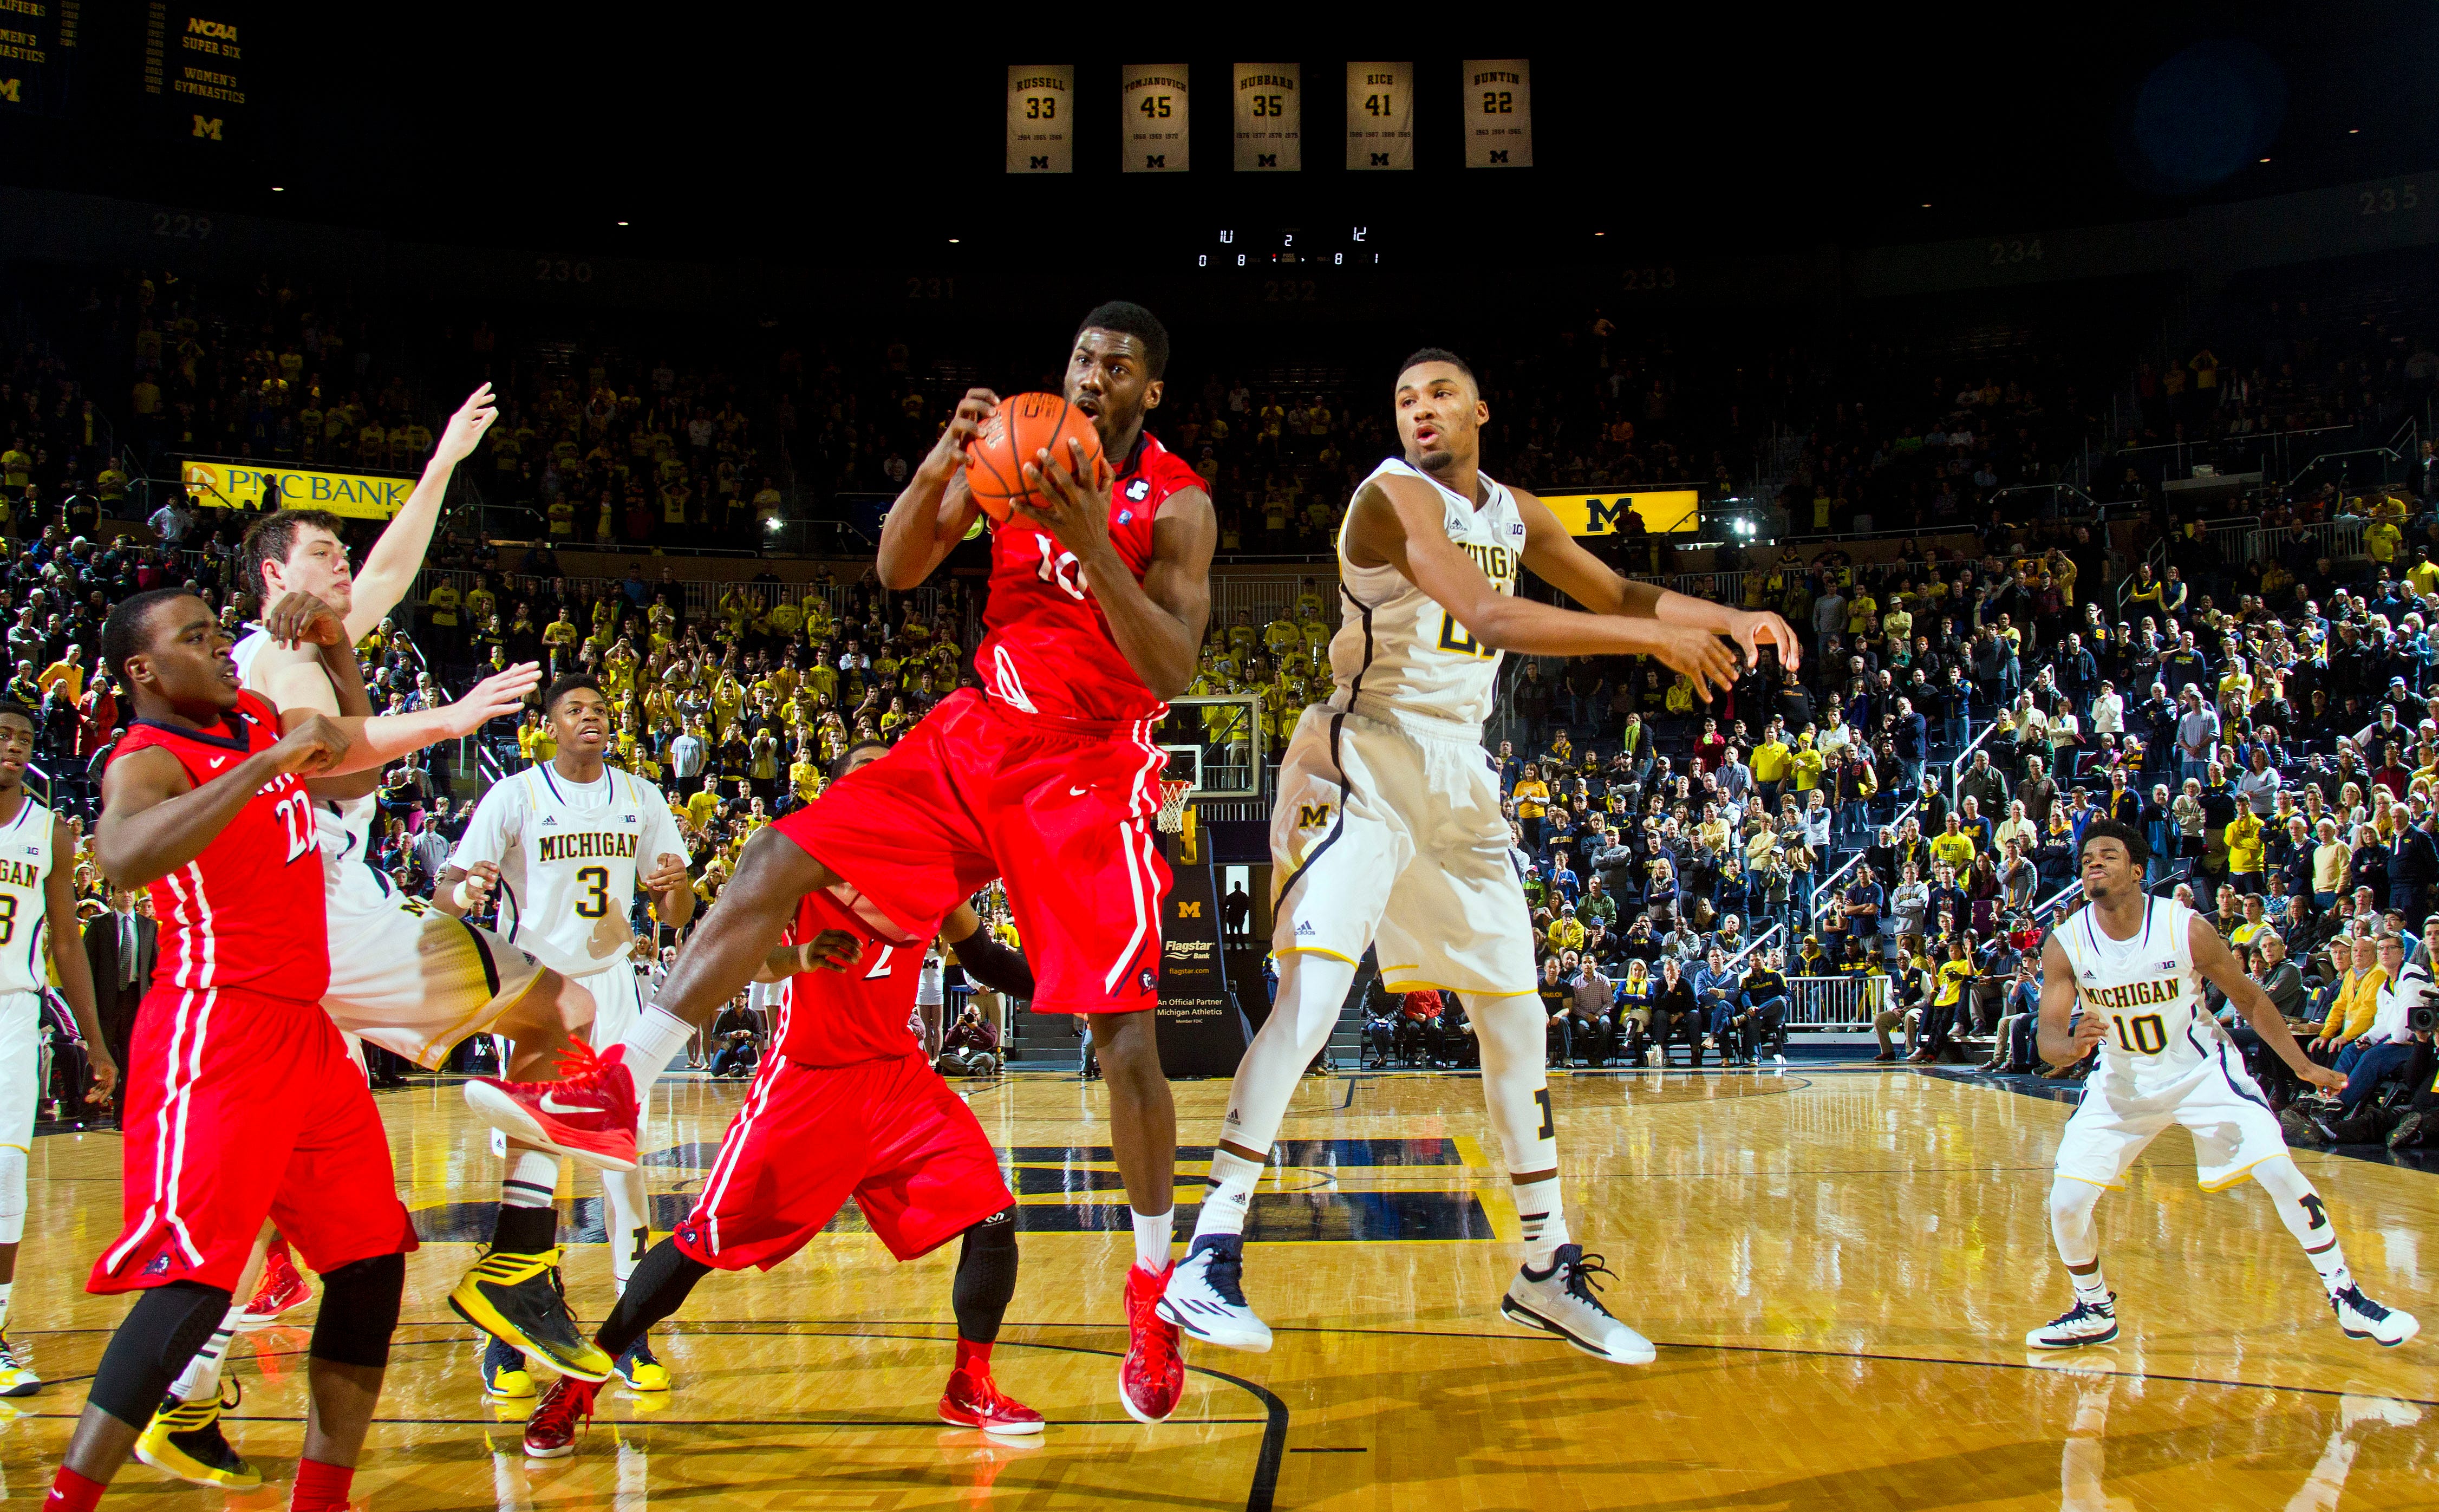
(2146, 990)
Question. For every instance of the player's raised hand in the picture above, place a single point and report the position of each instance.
(1705, 659)
(1072, 500)
(668, 871)
(465, 429)
(949, 452)
(317, 745)
(98, 1059)
(1758, 624)
(299, 619)
(500, 695)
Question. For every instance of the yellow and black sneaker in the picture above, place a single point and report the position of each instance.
(642, 1370)
(184, 1439)
(516, 1298)
(505, 1376)
(15, 1379)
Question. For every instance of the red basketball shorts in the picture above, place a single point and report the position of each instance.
(888, 1133)
(1059, 809)
(240, 1108)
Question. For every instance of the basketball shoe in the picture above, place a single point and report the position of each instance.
(184, 1439)
(517, 1298)
(1206, 1296)
(2086, 1322)
(2362, 1318)
(1153, 1375)
(505, 1376)
(15, 1379)
(550, 1432)
(974, 1400)
(1563, 1300)
(589, 1115)
(280, 1289)
(642, 1370)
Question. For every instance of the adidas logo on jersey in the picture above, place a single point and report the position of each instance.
(1304, 927)
(547, 822)
(2089, 973)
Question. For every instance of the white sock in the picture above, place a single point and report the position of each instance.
(202, 1377)
(2093, 1288)
(533, 1175)
(1231, 1195)
(1545, 1223)
(653, 1043)
(1152, 1232)
(626, 1208)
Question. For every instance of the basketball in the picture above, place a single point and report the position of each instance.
(1022, 427)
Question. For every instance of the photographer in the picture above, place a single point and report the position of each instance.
(969, 1046)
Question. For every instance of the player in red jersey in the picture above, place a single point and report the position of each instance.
(1049, 780)
(845, 1105)
(242, 1104)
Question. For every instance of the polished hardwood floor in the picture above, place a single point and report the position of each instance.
(1839, 1265)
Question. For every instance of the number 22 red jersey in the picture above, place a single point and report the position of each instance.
(1047, 646)
(846, 1017)
(248, 913)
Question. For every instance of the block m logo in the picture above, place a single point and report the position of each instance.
(1379, 160)
(1189, 908)
(1266, 160)
(1312, 815)
(1499, 155)
(1038, 164)
(1155, 160)
(208, 127)
(9, 88)
(1604, 516)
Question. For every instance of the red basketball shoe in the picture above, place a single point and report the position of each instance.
(974, 1400)
(281, 1289)
(550, 1432)
(1154, 1373)
(589, 1115)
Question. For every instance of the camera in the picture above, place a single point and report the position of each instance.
(2423, 1018)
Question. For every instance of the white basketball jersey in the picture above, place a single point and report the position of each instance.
(1397, 644)
(2146, 988)
(568, 855)
(24, 861)
(344, 825)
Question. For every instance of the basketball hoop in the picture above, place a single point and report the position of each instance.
(1172, 806)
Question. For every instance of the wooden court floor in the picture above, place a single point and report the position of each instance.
(1838, 1265)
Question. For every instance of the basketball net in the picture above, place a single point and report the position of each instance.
(1177, 816)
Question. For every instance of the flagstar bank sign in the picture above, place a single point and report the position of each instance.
(235, 486)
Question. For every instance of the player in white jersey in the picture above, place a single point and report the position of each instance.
(1387, 830)
(2133, 966)
(562, 847)
(37, 907)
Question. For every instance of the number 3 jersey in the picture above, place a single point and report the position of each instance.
(25, 864)
(569, 854)
(2147, 991)
(247, 911)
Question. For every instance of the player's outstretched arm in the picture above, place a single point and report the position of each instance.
(391, 565)
(1561, 559)
(311, 667)
(156, 820)
(383, 740)
(986, 960)
(735, 940)
(1398, 521)
(1158, 623)
(936, 509)
(2220, 967)
(75, 972)
(2057, 1045)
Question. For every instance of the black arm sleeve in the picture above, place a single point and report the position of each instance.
(995, 965)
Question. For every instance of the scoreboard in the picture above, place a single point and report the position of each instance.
(197, 71)
(39, 41)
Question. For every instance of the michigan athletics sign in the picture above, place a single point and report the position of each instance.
(240, 486)
(1662, 510)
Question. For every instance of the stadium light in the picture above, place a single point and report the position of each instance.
(277, 189)
(622, 222)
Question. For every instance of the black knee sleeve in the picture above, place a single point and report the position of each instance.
(985, 1276)
(359, 1311)
(161, 1333)
(658, 1288)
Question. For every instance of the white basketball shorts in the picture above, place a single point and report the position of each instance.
(1389, 835)
(20, 1067)
(2216, 1097)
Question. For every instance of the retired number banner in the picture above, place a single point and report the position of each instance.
(1155, 135)
(1379, 116)
(1040, 139)
(1498, 112)
(1268, 119)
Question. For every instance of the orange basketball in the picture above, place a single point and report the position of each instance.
(1023, 425)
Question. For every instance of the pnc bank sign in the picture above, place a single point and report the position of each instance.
(243, 486)
(1662, 511)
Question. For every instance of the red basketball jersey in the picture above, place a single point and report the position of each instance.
(843, 1018)
(248, 911)
(1047, 646)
